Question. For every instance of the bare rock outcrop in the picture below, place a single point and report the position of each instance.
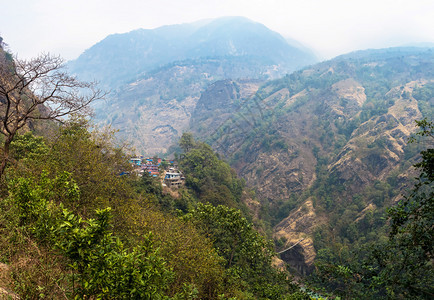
(296, 231)
(377, 146)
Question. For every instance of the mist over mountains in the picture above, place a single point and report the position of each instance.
(120, 58)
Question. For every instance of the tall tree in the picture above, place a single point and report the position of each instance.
(187, 141)
(37, 89)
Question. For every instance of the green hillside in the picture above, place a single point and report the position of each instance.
(77, 221)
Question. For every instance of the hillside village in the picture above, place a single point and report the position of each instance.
(166, 170)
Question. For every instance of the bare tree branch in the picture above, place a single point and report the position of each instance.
(38, 89)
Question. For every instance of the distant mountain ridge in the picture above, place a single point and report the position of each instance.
(121, 58)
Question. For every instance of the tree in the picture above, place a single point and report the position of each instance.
(187, 141)
(247, 255)
(209, 177)
(38, 89)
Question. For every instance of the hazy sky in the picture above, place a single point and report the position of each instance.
(329, 27)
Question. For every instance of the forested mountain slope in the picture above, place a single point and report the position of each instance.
(327, 145)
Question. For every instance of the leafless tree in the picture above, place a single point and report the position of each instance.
(38, 89)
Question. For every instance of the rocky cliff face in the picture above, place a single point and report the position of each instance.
(221, 100)
(151, 114)
(359, 164)
(296, 232)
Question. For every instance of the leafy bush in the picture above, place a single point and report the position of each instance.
(247, 254)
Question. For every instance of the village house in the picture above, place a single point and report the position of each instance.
(173, 178)
(152, 169)
(137, 161)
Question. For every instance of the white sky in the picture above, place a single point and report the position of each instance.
(329, 27)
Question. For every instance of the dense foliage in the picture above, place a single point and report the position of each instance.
(247, 255)
(73, 227)
(211, 179)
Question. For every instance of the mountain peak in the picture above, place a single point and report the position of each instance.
(120, 58)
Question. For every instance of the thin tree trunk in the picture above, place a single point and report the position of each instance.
(5, 157)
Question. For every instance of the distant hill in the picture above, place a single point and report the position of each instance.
(121, 58)
(325, 147)
(157, 76)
